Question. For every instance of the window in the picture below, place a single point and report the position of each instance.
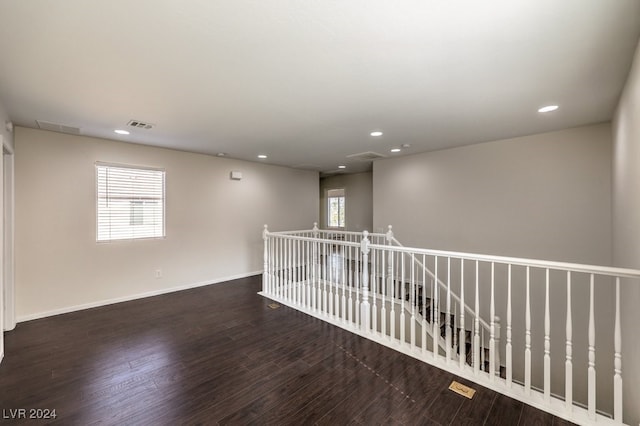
(130, 202)
(335, 202)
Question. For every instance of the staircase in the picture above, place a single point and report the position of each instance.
(425, 309)
(430, 304)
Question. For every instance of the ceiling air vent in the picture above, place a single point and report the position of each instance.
(307, 166)
(56, 127)
(140, 124)
(365, 156)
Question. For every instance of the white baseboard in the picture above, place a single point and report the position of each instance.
(97, 304)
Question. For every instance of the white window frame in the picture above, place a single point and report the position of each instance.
(344, 209)
(133, 198)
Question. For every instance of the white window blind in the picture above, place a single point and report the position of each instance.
(130, 202)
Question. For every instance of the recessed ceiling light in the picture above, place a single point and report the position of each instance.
(342, 166)
(376, 133)
(221, 154)
(548, 108)
(395, 150)
(121, 132)
(262, 156)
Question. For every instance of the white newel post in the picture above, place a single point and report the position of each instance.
(365, 312)
(265, 272)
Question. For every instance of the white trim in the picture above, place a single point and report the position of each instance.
(6, 146)
(8, 245)
(30, 317)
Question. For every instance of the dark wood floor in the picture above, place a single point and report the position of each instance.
(218, 354)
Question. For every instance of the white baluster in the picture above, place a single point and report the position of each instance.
(334, 296)
(434, 310)
(509, 348)
(374, 292)
(351, 284)
(301, 272)
(279, 266)
(325, 266)
(492, 329)
(321, 262)
(617, 360)
(497, 326)
(463, 329)
(447, 320)
(424, 304)
(591, 371)
(383, 289)
(270, 266)
(344, 285)
(412, 326)
(287, 267)
(476, 336)
(265, 273)
(433, 289)
(297, 266)
(314, 270)
(482, 356)
(455, 329)
(403, 331)
(283, 268)
(388, 282)
(356, 278)
(392, 317)
(527, 339)
(568, 364)
(305, 287)
(547, 342)
(309, 254)
(365, 315)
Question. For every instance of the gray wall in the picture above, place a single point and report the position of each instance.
(358, 189)
(626, 229)
(213, 224)
(545, 196)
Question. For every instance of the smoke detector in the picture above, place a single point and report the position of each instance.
(140, 124)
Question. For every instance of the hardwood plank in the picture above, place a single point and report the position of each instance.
(505, 411)
(219, 354)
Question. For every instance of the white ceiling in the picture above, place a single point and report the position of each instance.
(305, 82)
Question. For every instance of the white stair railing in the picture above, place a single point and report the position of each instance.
(492, 329)
(347, 280)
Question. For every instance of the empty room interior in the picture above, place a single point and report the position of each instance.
(336, 212)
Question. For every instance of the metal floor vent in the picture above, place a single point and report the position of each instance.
(461, 389)
(57, 127)
(365, 156)
(140, 124)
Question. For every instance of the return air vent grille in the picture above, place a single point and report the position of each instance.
(365, 156)
(140, 124)
(307, 166)
(56, 127)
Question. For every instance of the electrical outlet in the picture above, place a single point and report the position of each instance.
(158, 273)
